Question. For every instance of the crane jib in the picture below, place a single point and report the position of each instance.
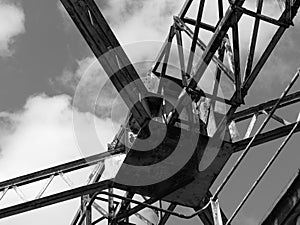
(107, 49)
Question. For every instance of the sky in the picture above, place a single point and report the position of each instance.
(44, 61)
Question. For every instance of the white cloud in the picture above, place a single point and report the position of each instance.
(12, 21)
(135, 20)
(43, 134)
(46, 132)
(93, 92)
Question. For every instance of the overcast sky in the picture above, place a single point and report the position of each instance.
(42, 59)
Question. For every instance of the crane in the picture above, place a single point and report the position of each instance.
(181, 141)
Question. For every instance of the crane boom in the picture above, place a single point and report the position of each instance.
(105, 46)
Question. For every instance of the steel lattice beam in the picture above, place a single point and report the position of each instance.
(55, 198)
(64, 168)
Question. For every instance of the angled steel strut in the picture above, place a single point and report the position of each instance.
(110, 54)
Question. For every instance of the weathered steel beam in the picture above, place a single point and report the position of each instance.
(232, 16)
(161, 53)
(217, 77)
(194, 39)
(159, 195)
(267, 106)
(137, 208)
(94, 177)
(262, 60)
(221, 9)
(159, 56)
(97, 221)
(80, 214)
(179, 83)
(202, 46)
(251, 126)
(228, 20)
(166, 216)
(263, 17)
(202, 25)
(278, 118)
(287, 208)
(55, 198)
(265, 137)
(253, 40)
(65, 168)
(125, 204)
(206, 216)
(167, 51)
(237, 65)
(181, 57)
(185, 8)
(88, 215)
(143, 219)
(110, 54)
(111, 208)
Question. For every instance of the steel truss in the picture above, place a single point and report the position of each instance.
(97, 33)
